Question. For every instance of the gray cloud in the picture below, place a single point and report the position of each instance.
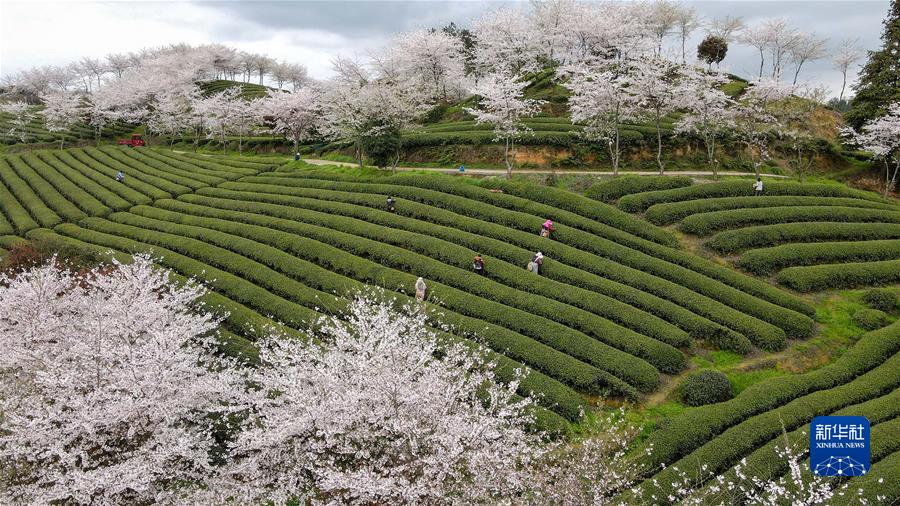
(313, 32)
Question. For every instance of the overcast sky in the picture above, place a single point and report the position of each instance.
(312, 32)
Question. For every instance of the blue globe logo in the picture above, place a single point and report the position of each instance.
(840, 466)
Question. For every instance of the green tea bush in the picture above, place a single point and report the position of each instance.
(765, 334)
(731, 241)
(560, 201)
(612, 190)
(639, 202)
(292, 207)
(621, 247)
(148, 176)
(706, 387)
(125, 157)
(667, 213)
(767, 463)
(767, 260)
(870, 319)
(733, 444)
(686, 432)
(850, 275)
(882, 299)
(82, 199)
(210, 165)
(109, 198)
(707, 223)
(45, 191)
(16, 219)
(317, 281)
(30, 203)
(243, 288)
(80, 160)
(449, 263)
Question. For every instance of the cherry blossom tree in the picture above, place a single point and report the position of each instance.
(118, 63)
(808, 47)
(108, 386)
(504, 37)
(432, 60)
(848, 54)
(654, 82)
(62, 111)
(171, 112)
(21, 115)
(781, 38)
(686, 22)
(297, 115)
(727, 27)
(662, 18)
(501, 103)
(754, 123)
(709, 112)
(758, 37)
(219, 111)
(247, 116)
(602, 101)
(881, 137)
(381, 412)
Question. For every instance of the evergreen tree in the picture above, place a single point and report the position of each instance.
(879, 81)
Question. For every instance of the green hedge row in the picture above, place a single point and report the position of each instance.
(707, 223)
(526, 350)
(665, 214)
(768, 260)
(849, 275)
(766, 463)
(90, 205)
(161, 171)
(151, 178)
(220, 172)
(91, 178)
(623, 264)
(101, 192)
(727, 448)
(45, 191)
(103, 171)
(731, 241)
(340, 264)
(10, 241)
(447, 254)
(585, 216)
(639, 202)
(687, 432)
(879, 486)
(542, 200)
(347, 235)
(257, 163)
(613, 189)
(14, 214)
(209, 164)
(595, 211)
(5, 226)
(290, 207)
(555, 250)
(203, 176)
(248, 323)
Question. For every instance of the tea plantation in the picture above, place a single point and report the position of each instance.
(618, 310)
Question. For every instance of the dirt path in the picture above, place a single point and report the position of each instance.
(501, 172)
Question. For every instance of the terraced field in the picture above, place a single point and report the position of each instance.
(615, 307)
(617, 311)
(810, 237)
(37, 131)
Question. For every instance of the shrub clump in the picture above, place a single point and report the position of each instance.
(706, 387)
(883, 299)
(609, 191)
(870, 319)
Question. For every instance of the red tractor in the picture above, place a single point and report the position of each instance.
(135, 141)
